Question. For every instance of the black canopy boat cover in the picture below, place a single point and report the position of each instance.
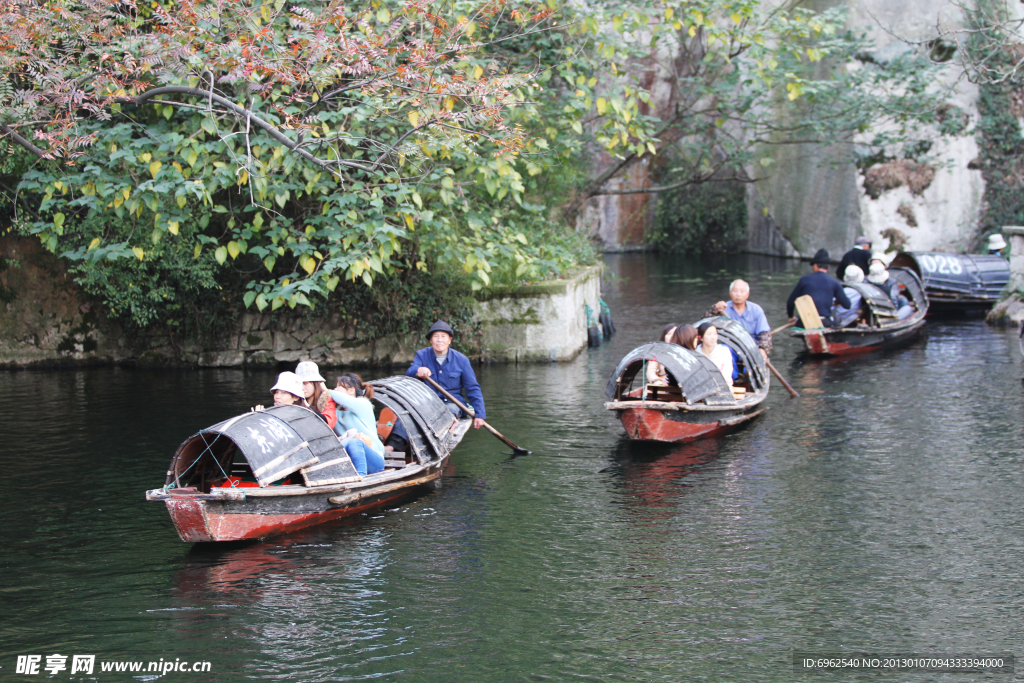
(881, 304)
(275, 443)
(425, 416)
(958, 279)
(698, 378)
(282, 440)
(877, 300)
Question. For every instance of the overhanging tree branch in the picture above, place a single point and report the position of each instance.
(271, 129)
(7, 130)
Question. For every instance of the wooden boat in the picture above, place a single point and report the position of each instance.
(266, 473)
(957, 283)
(701, 404)
(885, 329)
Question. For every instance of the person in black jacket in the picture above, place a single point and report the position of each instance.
(822, 288)
(860, 256)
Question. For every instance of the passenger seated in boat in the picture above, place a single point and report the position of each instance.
(314, 390)
(841, 315)
(287, 392)
(878, 275)
(356, 424)
(685, 336)
(655, 373)
(718, 353)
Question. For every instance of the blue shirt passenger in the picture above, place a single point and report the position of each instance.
(752, 318)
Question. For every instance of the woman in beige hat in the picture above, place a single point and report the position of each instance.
(314, 390)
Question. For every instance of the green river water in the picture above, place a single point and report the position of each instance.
(880, 512)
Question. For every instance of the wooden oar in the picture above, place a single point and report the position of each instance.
(784, 327)
(781, 378)
(492, 430)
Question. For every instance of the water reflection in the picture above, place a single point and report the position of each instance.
(653, 473)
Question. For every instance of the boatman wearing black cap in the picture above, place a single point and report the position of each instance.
(450, 369)
(821, 287)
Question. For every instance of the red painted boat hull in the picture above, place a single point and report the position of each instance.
(852, 342)
(645, 424)
(198, 521)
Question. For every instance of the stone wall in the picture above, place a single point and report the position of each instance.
(48, 321)
(45, 319)
(546, 321)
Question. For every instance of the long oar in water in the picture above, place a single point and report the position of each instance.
(781, 379)
(492, 430)
(772, 367)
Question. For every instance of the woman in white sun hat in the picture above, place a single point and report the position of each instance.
(879, 276)
(314, 390)
(287, 391)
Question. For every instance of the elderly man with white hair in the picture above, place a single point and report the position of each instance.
(747, 313)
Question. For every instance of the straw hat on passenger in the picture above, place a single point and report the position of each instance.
(853, 274)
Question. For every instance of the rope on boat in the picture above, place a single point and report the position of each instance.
(643, 384)
(199, 457)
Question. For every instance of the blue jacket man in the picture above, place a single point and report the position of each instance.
(822, 288)
(449, 368)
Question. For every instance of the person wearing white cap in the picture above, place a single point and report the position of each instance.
(879, 276)
(314, 390)
(996, 244)
(843, 315)
(287, 391)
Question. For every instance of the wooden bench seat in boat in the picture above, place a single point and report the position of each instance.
(661, 392)
(394, 460)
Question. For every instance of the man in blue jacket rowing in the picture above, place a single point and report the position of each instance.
(449, 368)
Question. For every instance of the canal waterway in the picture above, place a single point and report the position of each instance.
(880, 512)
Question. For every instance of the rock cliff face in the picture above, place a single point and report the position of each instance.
(816, 197)
(45, 319)
(815, 202)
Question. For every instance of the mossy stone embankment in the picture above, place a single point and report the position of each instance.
(45, 320)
